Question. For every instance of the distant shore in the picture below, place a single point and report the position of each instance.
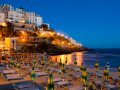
(68, 52)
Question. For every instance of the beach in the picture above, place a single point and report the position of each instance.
(72, 73)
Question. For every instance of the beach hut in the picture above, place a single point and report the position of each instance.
(50, 85)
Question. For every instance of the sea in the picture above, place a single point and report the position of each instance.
(104, 55)
(89, 58)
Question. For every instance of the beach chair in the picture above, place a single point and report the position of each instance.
(13, 77)
(112, 87)
(27, 85)
(41, 74)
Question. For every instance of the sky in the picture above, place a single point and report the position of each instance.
(93, 23)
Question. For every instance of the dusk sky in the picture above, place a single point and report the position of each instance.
(94, 23)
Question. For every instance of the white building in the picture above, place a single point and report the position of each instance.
(32, 17)
(38, 21)
(19, 10)
(2, 17)
(5, 8)
(15, 16)
(73, 41)
(19, 15)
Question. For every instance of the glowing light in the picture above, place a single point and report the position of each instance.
(58, 33)
(66, 37)
(4, 24)
(80, 44)
(70, 58)
(62, 34)
(23, 32)
(23, 39)
(62, 42)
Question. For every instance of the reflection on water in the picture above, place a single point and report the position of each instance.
(70, 58)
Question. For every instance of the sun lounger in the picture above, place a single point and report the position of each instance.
(36, 70)
(58, 70)
(27, 85)
(7, 87)
(57, 79)
(99, 74)
(20, 86)
(62, 83)
(30, 88)
(8, 71)
(97, 82)
(75, 88)
(111, 87)
(76, 69)
(13, 76)
(41, 74)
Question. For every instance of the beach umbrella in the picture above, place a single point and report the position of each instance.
(75, 62)
(84, 78)
(60, 63)
(81, 67)
(108, 66)
(33, 68)
(90, 86)
(18, 66)
(51, 61)
(105, 73)
(96, 65)
(33, 75)
(11, 62)
(63, 69)
(34, 61)
(119, 71)
(66, 61)
(50, 85)
(43, 61)
(84, 75)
